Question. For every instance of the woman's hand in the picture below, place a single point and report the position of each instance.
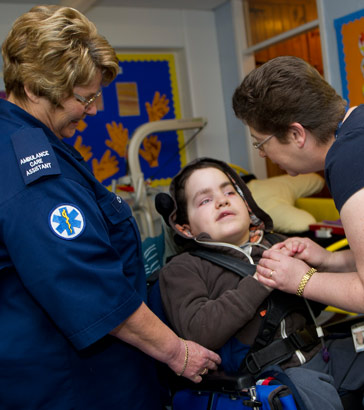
(291, 246)
(280, 271)
(306, 250)
(144, 330)
(194, 361)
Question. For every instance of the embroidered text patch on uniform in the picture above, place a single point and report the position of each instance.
(35, 154)
(67, 221)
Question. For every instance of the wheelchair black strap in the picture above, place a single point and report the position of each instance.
(226, 261)
(280, 305)
(231, 262)
(279, 350)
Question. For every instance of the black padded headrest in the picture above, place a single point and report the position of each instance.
(164, 205)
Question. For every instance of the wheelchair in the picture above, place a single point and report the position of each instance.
(223, 390)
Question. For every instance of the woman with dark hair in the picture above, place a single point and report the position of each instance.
(298, 120)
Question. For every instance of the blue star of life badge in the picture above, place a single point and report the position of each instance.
(67, 221)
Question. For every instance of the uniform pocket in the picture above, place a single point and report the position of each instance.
(115, 209)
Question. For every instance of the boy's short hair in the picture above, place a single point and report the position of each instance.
(285, 90)
(180, 184)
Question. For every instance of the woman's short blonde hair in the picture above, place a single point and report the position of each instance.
(52, 49)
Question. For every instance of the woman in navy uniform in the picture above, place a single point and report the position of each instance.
(76, 333)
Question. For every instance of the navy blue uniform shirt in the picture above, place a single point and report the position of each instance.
(70, 271)
(344, 171)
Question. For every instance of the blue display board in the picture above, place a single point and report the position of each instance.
(145, 90)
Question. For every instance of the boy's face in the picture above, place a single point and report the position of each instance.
(214, 207)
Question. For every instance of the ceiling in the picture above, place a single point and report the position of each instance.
(168, 4)
(85, 5)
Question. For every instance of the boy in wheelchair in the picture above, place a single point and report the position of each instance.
(204, 301)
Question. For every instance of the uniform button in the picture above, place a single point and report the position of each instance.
(118, 199)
